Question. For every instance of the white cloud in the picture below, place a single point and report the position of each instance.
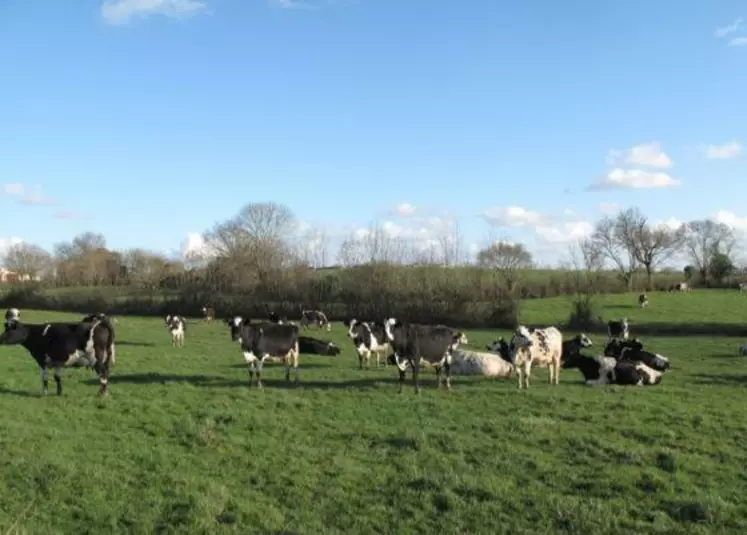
(731, 219)
(634, 179)
(729, 28)
(404, 209)
(194, 246)
(670, 224)
(722, 152)
(738, 41)
(608, 207)
(512, 216)
(648, 154)
(24, 195)
(568, 212)
(567, 232)
(122, 11)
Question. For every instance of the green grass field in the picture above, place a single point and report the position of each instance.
(183, 445)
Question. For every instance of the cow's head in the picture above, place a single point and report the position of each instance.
(522, 337)
(235, 323)
(353, 326)
(15, 333)
(582, 340)
(12, 314)
(389, 326)
(333, 349)
(502, 348)
(459, 339)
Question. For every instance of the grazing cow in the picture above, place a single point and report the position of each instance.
(263, 341)
(313, 346)
(643, 300)
(61, 344)
(617, 329)
(208, 313)
(543, 347)
(742, 287)
(574, 346)
(632, 350)
(177, 326)
(314, 316)
(368, 337)
(466, 362)
(601, 370)
(413, 343)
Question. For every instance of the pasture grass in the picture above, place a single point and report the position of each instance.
(183, 445)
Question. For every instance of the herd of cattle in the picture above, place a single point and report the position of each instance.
(91, 343)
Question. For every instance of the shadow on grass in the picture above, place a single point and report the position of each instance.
(273, 366)
(720, 379)
(676, 329)
(133, 344)
(212, 381)
(20, 393)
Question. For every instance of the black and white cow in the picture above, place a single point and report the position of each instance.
(617, 329)
(368, 337)
(315, 316)
(313, 346)
(60, 345)
(601, 370)
(574, 346)
(632, 350)
(643, 300)
(208, 313)
(265, 341)
(177, 326)
(414, 344)
(679, 287)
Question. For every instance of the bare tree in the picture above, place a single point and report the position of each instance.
(648, 246)
(507, 259)
(451, 244)
(607, 241)
(314, 247)
(27, 260)
(144, 269)
(586, 266)
(705, 239)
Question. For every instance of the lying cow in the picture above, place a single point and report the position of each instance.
(543, 347)
(263, 341)
(312, 346)
(413, 343)
(466, 362)
(602, 370)
(316, 317)
(574, 346)
(617, 329)
(368, 337)
(61, 344)
(633, 350)
(177, 326)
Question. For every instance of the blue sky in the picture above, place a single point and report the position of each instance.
(148, 120)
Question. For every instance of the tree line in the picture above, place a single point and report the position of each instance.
(256, 260)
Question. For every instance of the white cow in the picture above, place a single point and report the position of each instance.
(541, 347)
(466, 362)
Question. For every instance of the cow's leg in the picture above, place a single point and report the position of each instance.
(102, 359)
(557, 371)
(447, 369)
(58, 379)
(439, 379)
(416, 374)
(250, 360)
(296, 353)
(259, 364)
(43, 375)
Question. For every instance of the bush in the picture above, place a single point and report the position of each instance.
(583, 314)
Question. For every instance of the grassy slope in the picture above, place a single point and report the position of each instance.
(182, 445)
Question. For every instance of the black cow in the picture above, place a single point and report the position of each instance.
(502, 348)
(263, 341)
(368, 337)
(413, 343)
(632, 350)
(313, 346)
(315, 316)
(602, 370)
(574, 346)
(60, 344)
(617, 329)
(643, 300)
